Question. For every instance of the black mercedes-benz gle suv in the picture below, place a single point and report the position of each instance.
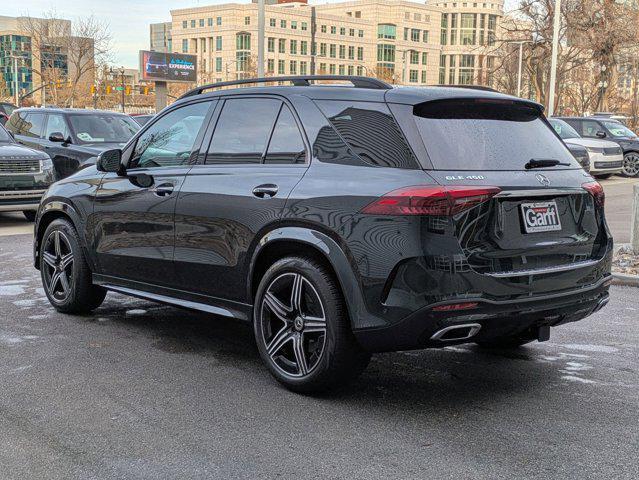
(338, 220)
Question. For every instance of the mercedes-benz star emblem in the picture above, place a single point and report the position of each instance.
(543, 179)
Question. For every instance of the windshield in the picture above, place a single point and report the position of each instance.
(103, 128)
(4, 135)
(564, 130)
(483, 134)
(617, 129)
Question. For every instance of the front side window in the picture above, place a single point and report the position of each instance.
(617, 129)
(243, 130)
(170, 140)
(371, 132)
(4, 136)
(56, 124)
(286, 145)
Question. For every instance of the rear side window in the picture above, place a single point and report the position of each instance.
(17, 123)
(371, 131)
(482, 134)
(243, 130)
(286, 145)
(587, 128)
(34, 125)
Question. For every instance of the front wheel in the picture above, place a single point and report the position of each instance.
(66, 277)
(630, 164)
(302, 328)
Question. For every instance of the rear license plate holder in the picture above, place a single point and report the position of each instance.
(540, 217)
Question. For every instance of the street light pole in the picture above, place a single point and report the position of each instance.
(553, 61)
(260, 38)
(122, 92)
(521, 55)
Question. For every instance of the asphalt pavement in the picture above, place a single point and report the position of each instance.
(143, 391)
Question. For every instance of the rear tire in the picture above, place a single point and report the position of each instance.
(30, 215)
(603, 176)
(66, 276)
(302, 327)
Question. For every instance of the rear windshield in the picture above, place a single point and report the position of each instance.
(478, 134)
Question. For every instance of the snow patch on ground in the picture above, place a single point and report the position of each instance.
(590, 348)
(11, 290)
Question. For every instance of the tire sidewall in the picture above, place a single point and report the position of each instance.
(624, 171)
(331, 311)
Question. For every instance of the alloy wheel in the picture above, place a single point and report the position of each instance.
(293, 324)
(631, 164)
(57, 258)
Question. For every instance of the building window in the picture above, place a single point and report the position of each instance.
(467, 34)
(247, 20)
(424, 58)
(209, 21)
(304, 26)
(453, 29)
(444, 35)
(406, 33)
(333, 30)
(331, 69)
(417, 17)
(281, 67)
(358, 14)
(201, 22)
(342, 31)
(360, 70)
(466, 69)
(323, 28)
(342, 51)
(442, 69)
(283, 23)
(303, 68)
(218, 64)
(185, 24)
(218, 43)
(271, 44)
(272, 22)
(360, 33)
(415, 34)
(351, 52)
(293, 67)
(414, 57)
(386, 53)
(281, 45)
(218, 21)
(492, 24)
(293, 47)
(303, 47)
(351, 32)
(270, 65)
(185, 46)
(351, 70)
(425, 36)
(243, 41)
(451, 69)
(332, 51)
(360, 53)
(322, 50)
(192, 23)
(386, 31)
(341, 70)
(322, 68)
(424, 76)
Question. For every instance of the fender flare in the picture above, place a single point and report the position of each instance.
(337, 258)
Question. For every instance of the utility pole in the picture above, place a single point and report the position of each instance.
(260, 38)
(15, 81)
(553, 60)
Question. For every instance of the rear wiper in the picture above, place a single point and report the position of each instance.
(543, 162)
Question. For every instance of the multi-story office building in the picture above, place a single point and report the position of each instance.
(398, 40)
(161, 37)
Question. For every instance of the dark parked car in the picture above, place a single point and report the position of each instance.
(73, 138)
(24, 176)
(142, 119)
(614, 130)
(581, 155)
(338, 221)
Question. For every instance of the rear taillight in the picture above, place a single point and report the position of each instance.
(430, 200)
(597, 191)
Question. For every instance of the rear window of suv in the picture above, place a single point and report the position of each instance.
(484, 134)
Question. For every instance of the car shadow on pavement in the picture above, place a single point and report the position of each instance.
(434, 379)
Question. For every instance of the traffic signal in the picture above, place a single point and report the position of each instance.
(127, 90)
(108, 89)
(93, 89)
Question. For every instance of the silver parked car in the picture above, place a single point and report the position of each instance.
(606, 157)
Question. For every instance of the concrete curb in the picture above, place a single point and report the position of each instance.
(625, 279)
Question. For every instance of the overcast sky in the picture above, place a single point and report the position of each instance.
(128, 20)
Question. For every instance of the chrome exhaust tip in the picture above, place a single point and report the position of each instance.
(456, 332)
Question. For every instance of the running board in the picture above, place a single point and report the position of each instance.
(178, 302)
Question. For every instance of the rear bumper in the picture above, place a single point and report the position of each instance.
(493, 317)
(20, 200)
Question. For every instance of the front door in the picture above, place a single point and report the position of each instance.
(133, 221)
(256, 156)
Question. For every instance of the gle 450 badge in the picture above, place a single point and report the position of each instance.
(540, 217)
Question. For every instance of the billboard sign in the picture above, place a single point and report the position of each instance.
(168, 67)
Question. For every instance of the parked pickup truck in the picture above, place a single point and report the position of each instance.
(25, 174)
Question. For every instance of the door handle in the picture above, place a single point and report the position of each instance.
(163, 190)
(266, 190)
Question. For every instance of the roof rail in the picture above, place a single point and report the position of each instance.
(471, 87)
(298, 81)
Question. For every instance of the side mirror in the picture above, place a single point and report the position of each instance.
(57, 137)
(600, 134)
(110, 161)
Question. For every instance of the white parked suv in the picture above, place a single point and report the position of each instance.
(606, 157)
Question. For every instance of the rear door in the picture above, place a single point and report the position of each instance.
(133, 222)
(256, 154)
